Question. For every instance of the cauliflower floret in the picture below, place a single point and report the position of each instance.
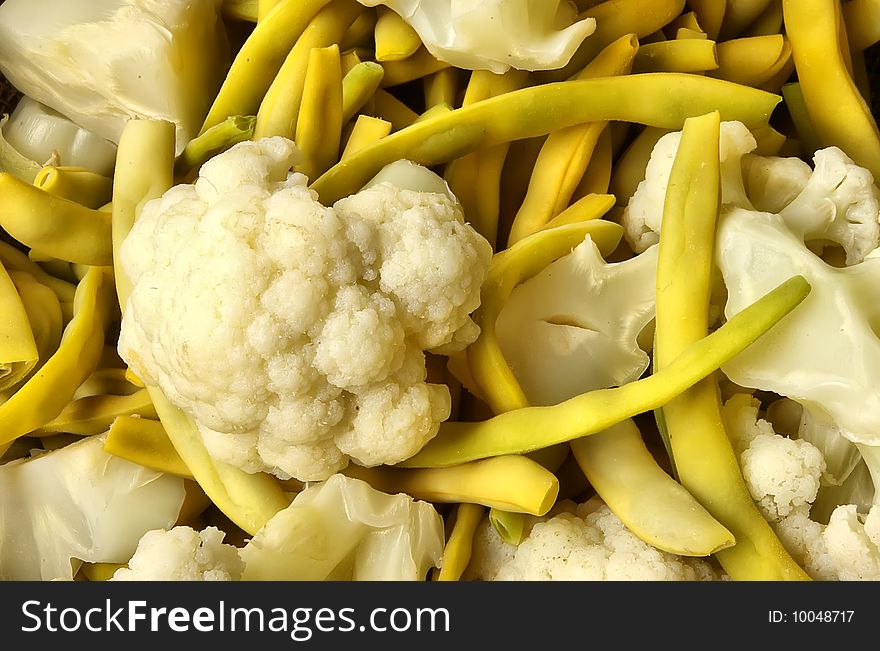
(294, 333)
(591, 544)
(839, 203)
(783, 476)
(182, 554)
(644, 212)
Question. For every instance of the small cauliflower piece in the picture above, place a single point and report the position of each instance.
(182, 554)
(839, 204)
(575, 326)
(644, 211)
(588, 544)
(783, 474)
(495, 35)
(294, 333)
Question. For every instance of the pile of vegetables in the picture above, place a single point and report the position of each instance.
(433, 290)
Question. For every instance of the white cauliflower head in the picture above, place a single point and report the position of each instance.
(588, 544)
(182, 554)
(292, 332)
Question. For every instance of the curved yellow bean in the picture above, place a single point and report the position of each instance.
(394, 38)
(94, 414)
(387, 107)
(597, 177)
(145, 442)
(358, 86)
(701, 452)
(648, 501)
(367, 131)
(532, 428)
(46, 393)
(511, 482)
(76, 184)
(234, 129)
(862, 20)
(278, 113)
(679, 55)
(656, 99)
(319, 128)
(16, 260)
(459, 544)
(710, 15)
(592, 206)
(475, 179)
(566, 153)
(740, 14)
(837, 110)
(441, 88)
(259, 59)
(18, 349)
(360, 32)
(44, 314)
(752, 60)
(144, 171)
(55, 226)
(416, 66)
(769, 22)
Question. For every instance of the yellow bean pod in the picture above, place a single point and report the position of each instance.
(459, 543)
(360, 33)
(219, 138)
(44, 315)
(597, 177)
(394, 39)
(14, 259)
(387, 107)
(55, 226)
(752, 61)
(513, 483)
(94, 414)
(656, 99)
(319, 131)
(592, 206)
(680, 55)
(441, 88)
(18, 349)
(769, 22)
(701, 452)
(862, 20)
(710, 15)
(77, 184)
(416, 66)
(260, 58)
(278, 113)
(367, 131)
(144, 171)
(475, 179)
(144, 441)
(837, 110)
(648, 501)
(532, 428)
(566, 153)
(47, 392)
(740, 14)
(358, 86)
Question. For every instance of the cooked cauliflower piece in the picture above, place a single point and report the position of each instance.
(182, 554)
(294, 333)
(783, 475)
(587, 542)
